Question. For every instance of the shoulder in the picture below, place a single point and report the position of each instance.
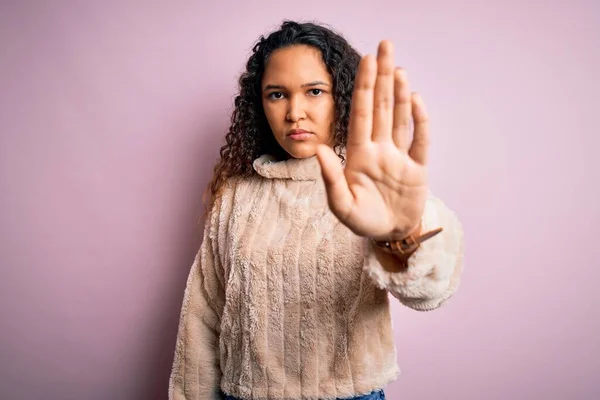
(237, 189)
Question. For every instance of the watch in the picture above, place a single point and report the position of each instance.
(408, 244)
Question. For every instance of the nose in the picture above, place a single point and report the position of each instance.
(296, 109)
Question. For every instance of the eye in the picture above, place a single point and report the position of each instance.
(315, 92)
(275, 95)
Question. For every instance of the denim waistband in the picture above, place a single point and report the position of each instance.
(374, 395)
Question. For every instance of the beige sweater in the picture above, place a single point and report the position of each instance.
(284, 302)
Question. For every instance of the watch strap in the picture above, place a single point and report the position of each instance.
(407, 245)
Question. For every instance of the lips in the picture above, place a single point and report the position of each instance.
(297, 132)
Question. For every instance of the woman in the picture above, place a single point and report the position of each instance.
(317, 210)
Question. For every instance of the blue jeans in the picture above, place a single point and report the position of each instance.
(374, 395)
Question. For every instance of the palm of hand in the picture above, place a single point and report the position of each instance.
(381, 193)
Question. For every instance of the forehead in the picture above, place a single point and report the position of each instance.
(295, 65)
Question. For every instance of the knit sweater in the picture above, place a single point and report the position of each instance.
(283, 301)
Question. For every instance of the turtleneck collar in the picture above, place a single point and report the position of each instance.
(298, 169)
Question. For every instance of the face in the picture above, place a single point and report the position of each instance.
(298, 101)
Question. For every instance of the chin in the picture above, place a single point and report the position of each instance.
(301, 150)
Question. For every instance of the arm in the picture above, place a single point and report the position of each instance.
(433, 272)
(196, 372)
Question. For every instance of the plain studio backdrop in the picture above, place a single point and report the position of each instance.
(112, 114)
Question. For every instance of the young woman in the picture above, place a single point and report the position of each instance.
(319, 207)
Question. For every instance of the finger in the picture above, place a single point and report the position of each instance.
(402, 110)
(420, 144)
(361, 115)
(383, 114)
(339, 196)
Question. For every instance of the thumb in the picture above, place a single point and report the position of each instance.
(339, 196)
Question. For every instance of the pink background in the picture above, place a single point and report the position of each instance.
(111, 117)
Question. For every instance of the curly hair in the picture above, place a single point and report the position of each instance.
(249, 134)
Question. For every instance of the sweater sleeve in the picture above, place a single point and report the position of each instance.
(434, 269)
(196, 372)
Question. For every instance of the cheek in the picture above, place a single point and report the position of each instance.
(274, 113)
(269, 113)
(327, 112)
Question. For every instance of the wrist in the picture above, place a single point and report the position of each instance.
(396, 236)
(403, 248)
(414, 232)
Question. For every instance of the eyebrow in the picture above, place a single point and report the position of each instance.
(314, 83)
